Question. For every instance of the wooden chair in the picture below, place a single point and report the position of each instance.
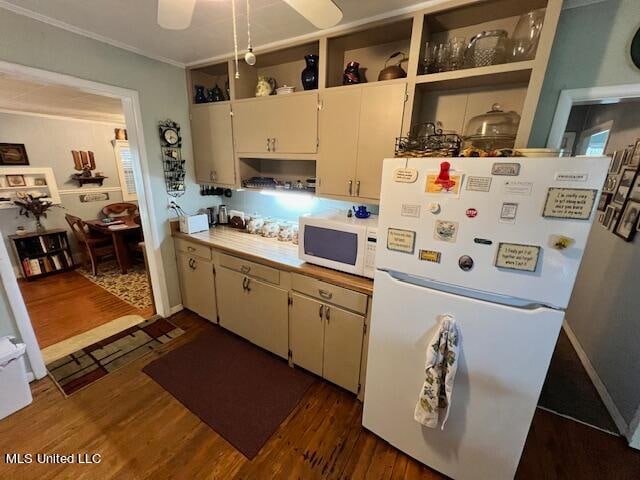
(122, 209)
(93, 246)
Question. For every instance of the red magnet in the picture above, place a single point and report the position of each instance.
(444, 180)
(471, 212)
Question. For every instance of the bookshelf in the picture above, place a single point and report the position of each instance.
(43, 253)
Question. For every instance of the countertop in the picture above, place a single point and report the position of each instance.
(271, 252)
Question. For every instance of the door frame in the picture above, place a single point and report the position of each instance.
(569, 98)
(142, 176)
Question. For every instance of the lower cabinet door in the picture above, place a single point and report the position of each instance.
(267, 315)
(306, 333)
(343, 335)
(232, 301)
(198, 286)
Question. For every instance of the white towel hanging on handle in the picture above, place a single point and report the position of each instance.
(440, 372)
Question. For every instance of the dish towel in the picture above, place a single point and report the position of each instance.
(440, 372)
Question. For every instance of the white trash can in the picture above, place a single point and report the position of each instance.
(14, 387)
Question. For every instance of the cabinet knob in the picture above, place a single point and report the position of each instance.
(245, 269)
(268, 144)
(358, 188)
(321, 312)
(327, 314)
(273, 144)
(350, 184)
(324, 294)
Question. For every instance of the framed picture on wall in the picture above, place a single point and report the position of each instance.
(605, 199)
(616, 162)
(624, 186)
(611, 183)
(634, 161)
(16, 181)
(609, 214)
(627, 224)
(13, 154)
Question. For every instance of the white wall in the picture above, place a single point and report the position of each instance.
(604, 311)
(163, 94)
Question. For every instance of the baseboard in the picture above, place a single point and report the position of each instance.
(597, 382)
(175, 309)
(634, 431)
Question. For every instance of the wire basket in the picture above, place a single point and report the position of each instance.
(435, 144)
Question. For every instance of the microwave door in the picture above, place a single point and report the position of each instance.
(338, 249)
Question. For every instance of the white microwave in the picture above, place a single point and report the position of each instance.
(338, 242)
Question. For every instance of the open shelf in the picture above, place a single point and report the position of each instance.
(280, 170)
(505, 73)
(454, 107)
(469, 20)
(285, 66)
(369, 47)
(209, 77)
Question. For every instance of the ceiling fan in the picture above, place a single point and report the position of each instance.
(176, 14)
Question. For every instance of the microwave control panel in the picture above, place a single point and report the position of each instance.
(370, 252)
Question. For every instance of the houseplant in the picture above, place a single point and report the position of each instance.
(34, 205)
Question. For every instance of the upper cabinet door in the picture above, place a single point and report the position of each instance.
(294, 123)
(251, 125)
(339, 127)
(380, 124)
(213, 144)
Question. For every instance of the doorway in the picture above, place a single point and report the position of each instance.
(95, 293)
(601, 328)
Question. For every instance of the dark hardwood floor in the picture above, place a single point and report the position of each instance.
(67, 304)
(142, 432)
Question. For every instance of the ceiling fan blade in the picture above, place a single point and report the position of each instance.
(175, 14)
(321, 13)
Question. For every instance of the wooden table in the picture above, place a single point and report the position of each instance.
(118, 236)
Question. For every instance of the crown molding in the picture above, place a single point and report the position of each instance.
(85, 33)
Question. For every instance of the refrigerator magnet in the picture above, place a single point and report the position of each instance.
(444, 182)
(508, 212)
(573, 203)
(478, 184)
(400, 240)
(446, 231)
(430, 256)
(410, 210)
(506, 169)
(514, 256)
(511, 187)
(405, 175)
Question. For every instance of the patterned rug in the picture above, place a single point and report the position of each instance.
(132, 287)
(82, 368)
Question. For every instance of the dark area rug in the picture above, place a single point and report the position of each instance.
(241, 391)
(568, 390)
(80, 369)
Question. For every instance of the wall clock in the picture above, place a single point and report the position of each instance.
(172, 162)
(635, 49)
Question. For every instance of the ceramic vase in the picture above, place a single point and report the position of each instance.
(351, 74)
(200, 96)
(309, 75)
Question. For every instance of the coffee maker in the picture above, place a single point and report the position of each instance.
(212, 213)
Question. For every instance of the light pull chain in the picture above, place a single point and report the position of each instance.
(235, 36)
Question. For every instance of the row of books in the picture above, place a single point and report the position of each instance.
(52, 263)
(43, 244)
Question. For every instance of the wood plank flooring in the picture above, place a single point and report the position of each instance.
(142, 432)
(67, 304)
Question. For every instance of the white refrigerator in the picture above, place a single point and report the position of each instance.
(496, 243)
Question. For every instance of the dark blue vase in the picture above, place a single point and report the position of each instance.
(310, 73)
(200, 95)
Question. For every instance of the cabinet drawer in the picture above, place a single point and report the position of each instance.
(251, 269)
(192, 248)
(329, 293)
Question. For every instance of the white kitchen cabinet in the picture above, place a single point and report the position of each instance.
(306, 333)
(286, 124)
(254, 310)
(212, 137)
(358, 128)
(343, 334)
(327, 340)
(197, 285)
